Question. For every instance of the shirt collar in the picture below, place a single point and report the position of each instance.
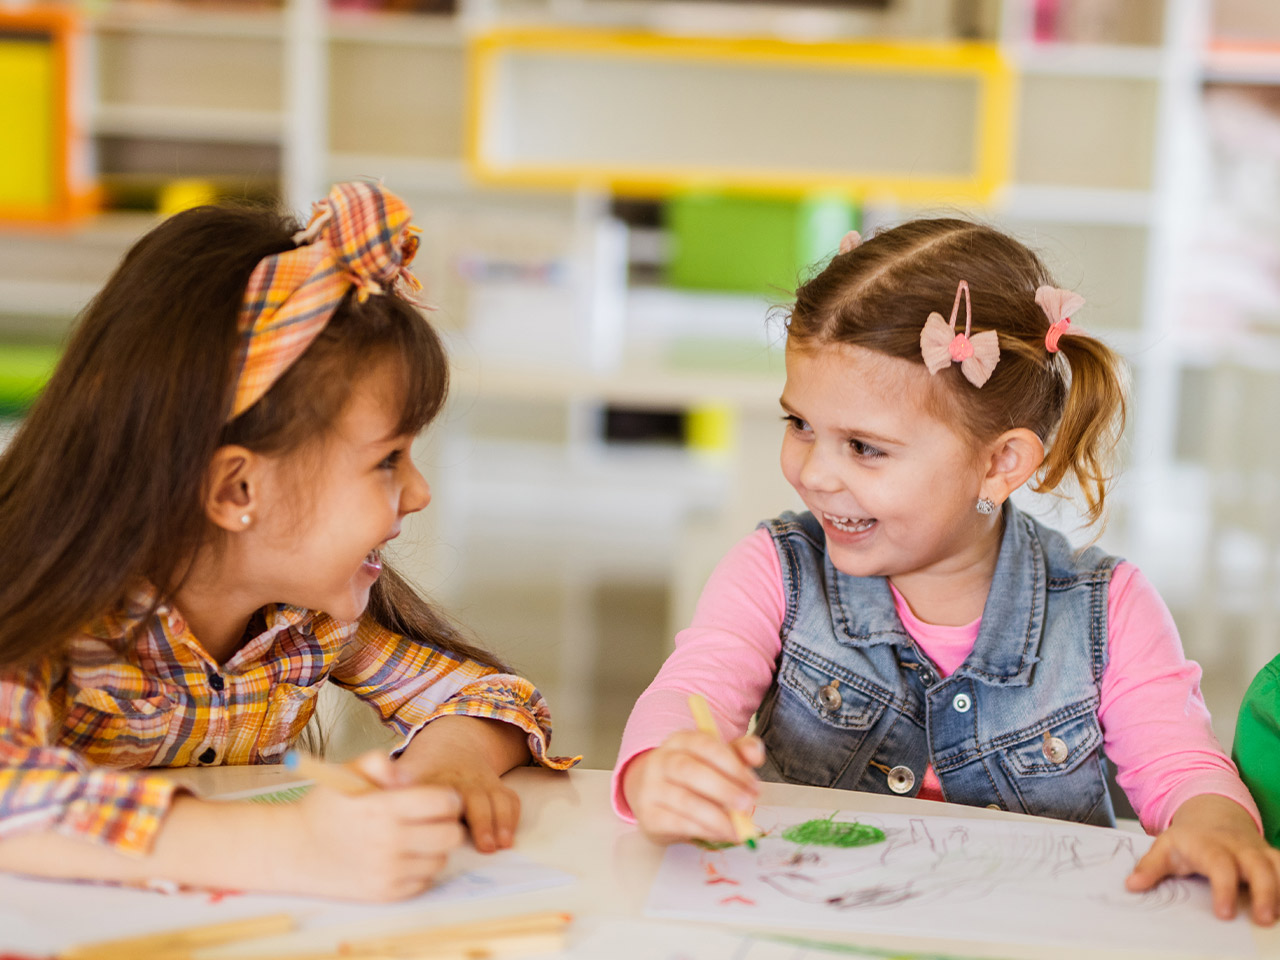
(142, 607)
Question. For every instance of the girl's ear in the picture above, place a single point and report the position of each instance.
(233, 481)
(1014, 458)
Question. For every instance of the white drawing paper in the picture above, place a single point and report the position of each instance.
(45, 917)
(616, 939)
(993, 881)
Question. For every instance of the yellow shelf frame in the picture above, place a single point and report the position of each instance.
(982, 61)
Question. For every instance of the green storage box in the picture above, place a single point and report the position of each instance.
(24, 370)
(752, 244)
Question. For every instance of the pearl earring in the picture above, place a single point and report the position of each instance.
(986, 506)
(245, 519)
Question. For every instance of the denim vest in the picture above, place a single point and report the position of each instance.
(855, 704)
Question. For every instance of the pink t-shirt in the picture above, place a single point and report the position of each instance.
(1154, 720)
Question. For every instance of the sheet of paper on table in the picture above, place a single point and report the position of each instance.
(989, 881)
(45, 917)
(616, 939)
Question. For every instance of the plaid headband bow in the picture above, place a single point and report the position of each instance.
(359, 236)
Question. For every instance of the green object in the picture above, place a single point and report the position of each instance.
(287, 795)
(24, 370)
(829, 833)
(722, 844)
(753, 244)
(713, 844)
(1257, 746)
(848, 948)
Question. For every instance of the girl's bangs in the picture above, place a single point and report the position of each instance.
(424, 368)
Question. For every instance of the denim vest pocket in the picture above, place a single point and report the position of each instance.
(117, 731)
(1060, 775)
(810, 736)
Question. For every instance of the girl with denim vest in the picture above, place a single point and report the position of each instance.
(193, 517)
(913, 632)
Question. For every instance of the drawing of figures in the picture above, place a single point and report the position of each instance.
(928, 863)
(1034, 881)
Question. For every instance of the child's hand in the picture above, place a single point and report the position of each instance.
(382, 845)
(1214, 837)
(686, 787)
(490, 808)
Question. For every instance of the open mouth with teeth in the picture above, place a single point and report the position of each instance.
(850, 524)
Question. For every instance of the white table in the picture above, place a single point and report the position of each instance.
(567, 823)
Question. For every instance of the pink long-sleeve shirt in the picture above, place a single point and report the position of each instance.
(1154, 720)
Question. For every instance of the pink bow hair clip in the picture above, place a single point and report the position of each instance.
(1058, 306)
(941, 346)
(850, 241)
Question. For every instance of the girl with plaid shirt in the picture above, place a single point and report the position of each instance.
(193, 517)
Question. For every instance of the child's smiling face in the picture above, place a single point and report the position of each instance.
(357, 486)
(894, 486)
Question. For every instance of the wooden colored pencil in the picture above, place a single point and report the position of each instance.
(182, 943)
(498, 936)
(479, 948)
(335, 776)
(742, 823)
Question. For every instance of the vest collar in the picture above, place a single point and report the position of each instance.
(1008, 644)
(1012, 619)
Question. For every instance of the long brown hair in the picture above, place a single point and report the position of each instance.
(878, 295)
(104, 483)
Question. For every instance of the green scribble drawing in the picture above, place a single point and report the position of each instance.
(829, 833)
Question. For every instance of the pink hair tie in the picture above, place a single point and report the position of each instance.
(941, 346)
(850, 241)
(1058, 305)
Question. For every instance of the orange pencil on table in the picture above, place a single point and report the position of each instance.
(543, 932)
(742, 823)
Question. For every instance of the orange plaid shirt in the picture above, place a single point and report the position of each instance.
(133, 692)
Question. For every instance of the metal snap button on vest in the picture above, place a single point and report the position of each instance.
(829, 696)
(901, 779)
(993, 806)
(1055, 750)
(961, 703)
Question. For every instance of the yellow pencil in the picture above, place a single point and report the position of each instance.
(182, 943)
(496, 937)
(742, 823)
(335, 776)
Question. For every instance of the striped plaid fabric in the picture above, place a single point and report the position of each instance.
(359, 236)
(134, 691)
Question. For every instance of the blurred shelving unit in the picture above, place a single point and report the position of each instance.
(1071, 134)
(1226, 324)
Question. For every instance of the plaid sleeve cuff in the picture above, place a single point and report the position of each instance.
(119, 810)
(506, 697)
